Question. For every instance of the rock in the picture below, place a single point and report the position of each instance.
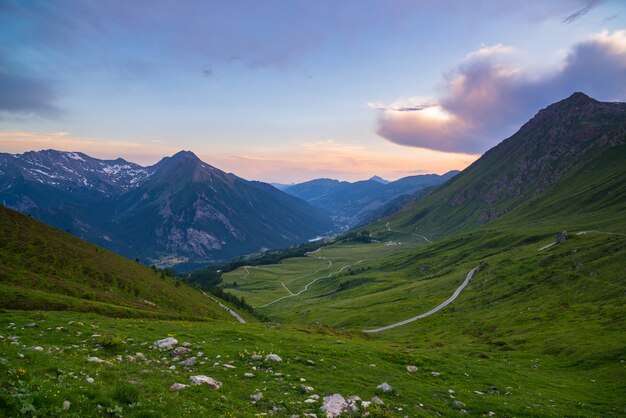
(180, 351)
(411, 369)
(491, 414)
(38, 348)
(257, 396)
(354, 399)
(248, 375)
(177, 386)
(191, 361)
(172, 367)
(20, 355)
(562, 237)
(478, 392)
(186, 344)
(166, 343)
(309, 400)
(314, 396)
(201, 379)
(307, 389)
(377, 401)
(334, 405)
(273, 357)
(66, 405)
(385, 387)
(140, 356)
(435, 374)
(310, 362)
(31, 325)
(256, 357)
(366, 404)
(97, 360)
(89, 380)
(229, 367)
(457, 404)
(424, 267)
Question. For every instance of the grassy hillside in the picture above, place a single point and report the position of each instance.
(42, 268)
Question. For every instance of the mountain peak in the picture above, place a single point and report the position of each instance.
(379, 179)
(185, 155)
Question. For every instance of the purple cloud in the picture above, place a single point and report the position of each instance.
(486, 99)
(22, 94)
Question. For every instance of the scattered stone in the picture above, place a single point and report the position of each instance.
(457, 404)
(20, 355)
(354, 399)
(491, 414)
(256, 357)
(257, 396)
(411, 369)
(309, 400)
(180, 351)
(315, 396)
(31, 325)
(172, 367)
(229, 367)
(66, 405)
(38, 348)
(249, 375)
(334, 405)
(166, 343)
(11, 325)
(177, 386)
(366, 404)
(89, 380)
(478, 392)
(562, 237)
(307, 389)
(310, 362)
(201, 379)
(377, 401)
(140, 356)
(186, 344)
(385, 387)
(191, 361)
(435, 374)
(97, 360)
(273, 357)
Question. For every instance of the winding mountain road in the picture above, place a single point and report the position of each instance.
(226, 308)
(432, 311)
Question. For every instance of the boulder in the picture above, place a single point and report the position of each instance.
(377, 401)
(166, 343)
(562, 237)
(411, 369)
(334, 405)
(66, 405)
(191, 361)
(257, 396)
(385, 387)
(201, 379)
(180, 351)
(273, 357)
(177, 386)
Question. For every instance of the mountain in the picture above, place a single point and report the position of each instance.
(379, 179)
(556, 144)
(42, 268)
(180, 210)
(360, 202)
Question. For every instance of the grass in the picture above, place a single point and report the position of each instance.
(511, 382)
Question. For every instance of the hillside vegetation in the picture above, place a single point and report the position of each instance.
(42, 268)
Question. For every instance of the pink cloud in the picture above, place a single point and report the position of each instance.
(487, 97)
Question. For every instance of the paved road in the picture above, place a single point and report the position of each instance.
(432, 311)
(226, 308)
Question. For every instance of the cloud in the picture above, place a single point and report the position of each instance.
(27, 95)
(487, 97)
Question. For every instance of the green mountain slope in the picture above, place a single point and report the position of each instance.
(42, 268)
(553, 145)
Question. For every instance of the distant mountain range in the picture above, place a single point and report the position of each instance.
(180, 211)
(360, 202)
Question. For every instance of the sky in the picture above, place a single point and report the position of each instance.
(287, 91)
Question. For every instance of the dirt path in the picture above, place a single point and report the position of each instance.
(432, 311)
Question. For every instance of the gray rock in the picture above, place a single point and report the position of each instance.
(177, 386)
(307, 389)
(31, 325)
(562, 237)
(411, 369)
(180, 351)
(257, 396)
(377, 401)
(191, 361)
(457, 404)
(166, 343)
(66, 405)
(256, 357)
(273, 357)
(334, 405)
(201, 379)
(354, 399)
(186, 344)
(248, 375)
(38, 348)
(89, 380)
(385, 387)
